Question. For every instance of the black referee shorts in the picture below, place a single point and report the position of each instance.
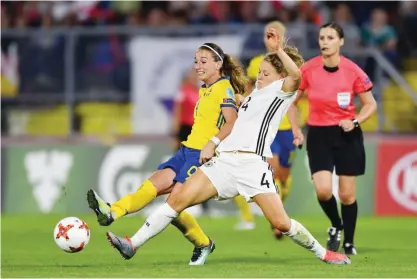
(329, 147)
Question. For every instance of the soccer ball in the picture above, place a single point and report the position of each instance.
(71, 234)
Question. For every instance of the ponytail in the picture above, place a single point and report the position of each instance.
(235, 71)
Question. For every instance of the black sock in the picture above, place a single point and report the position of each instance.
(349, 215)
(330, 208)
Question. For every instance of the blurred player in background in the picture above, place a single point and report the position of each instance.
(184, 104)
(214, 116)
(241, 167)
(282, 147)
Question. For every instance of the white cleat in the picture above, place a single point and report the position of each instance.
(200, 254)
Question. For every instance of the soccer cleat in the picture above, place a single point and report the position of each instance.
(200, 254)
(100, 207)
(333, 241)
(245, 226)
(349, 249)
(335, 258)
(123, 245)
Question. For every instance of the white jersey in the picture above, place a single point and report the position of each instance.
(258, 118)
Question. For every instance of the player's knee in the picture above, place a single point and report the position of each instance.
(347, 197)
(324, 193)
(162, 180)
(178, 201)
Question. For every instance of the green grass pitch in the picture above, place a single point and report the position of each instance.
(387, 248)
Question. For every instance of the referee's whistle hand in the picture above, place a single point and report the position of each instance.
(347, 125)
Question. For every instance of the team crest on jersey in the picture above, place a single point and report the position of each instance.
(343, 99)
(229, 92)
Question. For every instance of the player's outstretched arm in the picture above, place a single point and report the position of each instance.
(292, 81)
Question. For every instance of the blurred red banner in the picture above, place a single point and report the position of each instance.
(396, 185)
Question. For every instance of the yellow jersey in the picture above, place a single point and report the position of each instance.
(208, 118)
(252, 72)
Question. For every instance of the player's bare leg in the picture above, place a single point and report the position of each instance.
(197, 189)
(273, 210)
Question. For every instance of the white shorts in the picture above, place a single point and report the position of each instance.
(237, 173)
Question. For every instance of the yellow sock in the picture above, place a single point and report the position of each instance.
(189, 227)
(134, 202)
(284, 187)
(244, 208)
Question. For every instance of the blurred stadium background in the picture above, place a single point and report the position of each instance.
(88, 91)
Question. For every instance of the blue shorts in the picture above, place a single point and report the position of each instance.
(284, 148)
(184, 163)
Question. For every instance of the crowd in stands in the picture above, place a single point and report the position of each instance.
(380, 24)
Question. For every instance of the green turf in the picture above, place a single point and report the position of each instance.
(387, 248)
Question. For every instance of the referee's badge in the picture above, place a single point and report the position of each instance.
(343, 99)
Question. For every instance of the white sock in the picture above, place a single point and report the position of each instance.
(155, 224)
(303, 237)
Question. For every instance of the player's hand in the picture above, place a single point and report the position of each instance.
(273, 39)
(239, 99)
(347, 125)
(298, 138)
(207, 152)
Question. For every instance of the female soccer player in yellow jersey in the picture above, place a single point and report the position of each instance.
(282, 147)
(214, 116)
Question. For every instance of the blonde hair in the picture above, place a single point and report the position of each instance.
(292, 52)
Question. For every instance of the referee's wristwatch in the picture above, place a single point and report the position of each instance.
(355, 123)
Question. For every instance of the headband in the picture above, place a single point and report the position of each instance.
(212, 49)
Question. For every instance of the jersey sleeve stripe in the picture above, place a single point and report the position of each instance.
(273, 108)
(220, 121)
(228, 106)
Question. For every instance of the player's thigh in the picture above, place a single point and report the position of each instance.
(163, 179)
(273, 210)
(254, 177)
(220, 171)
(197, 189)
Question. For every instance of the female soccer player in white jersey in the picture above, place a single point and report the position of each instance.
(241, 166)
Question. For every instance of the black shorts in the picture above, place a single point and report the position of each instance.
(183, 133)
(329, 147)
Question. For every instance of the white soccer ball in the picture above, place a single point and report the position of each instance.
(71, 234)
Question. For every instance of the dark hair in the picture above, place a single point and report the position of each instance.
(230, 68)
(336, 27)
(292, 52)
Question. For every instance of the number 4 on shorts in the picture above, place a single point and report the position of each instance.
(264, 181)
